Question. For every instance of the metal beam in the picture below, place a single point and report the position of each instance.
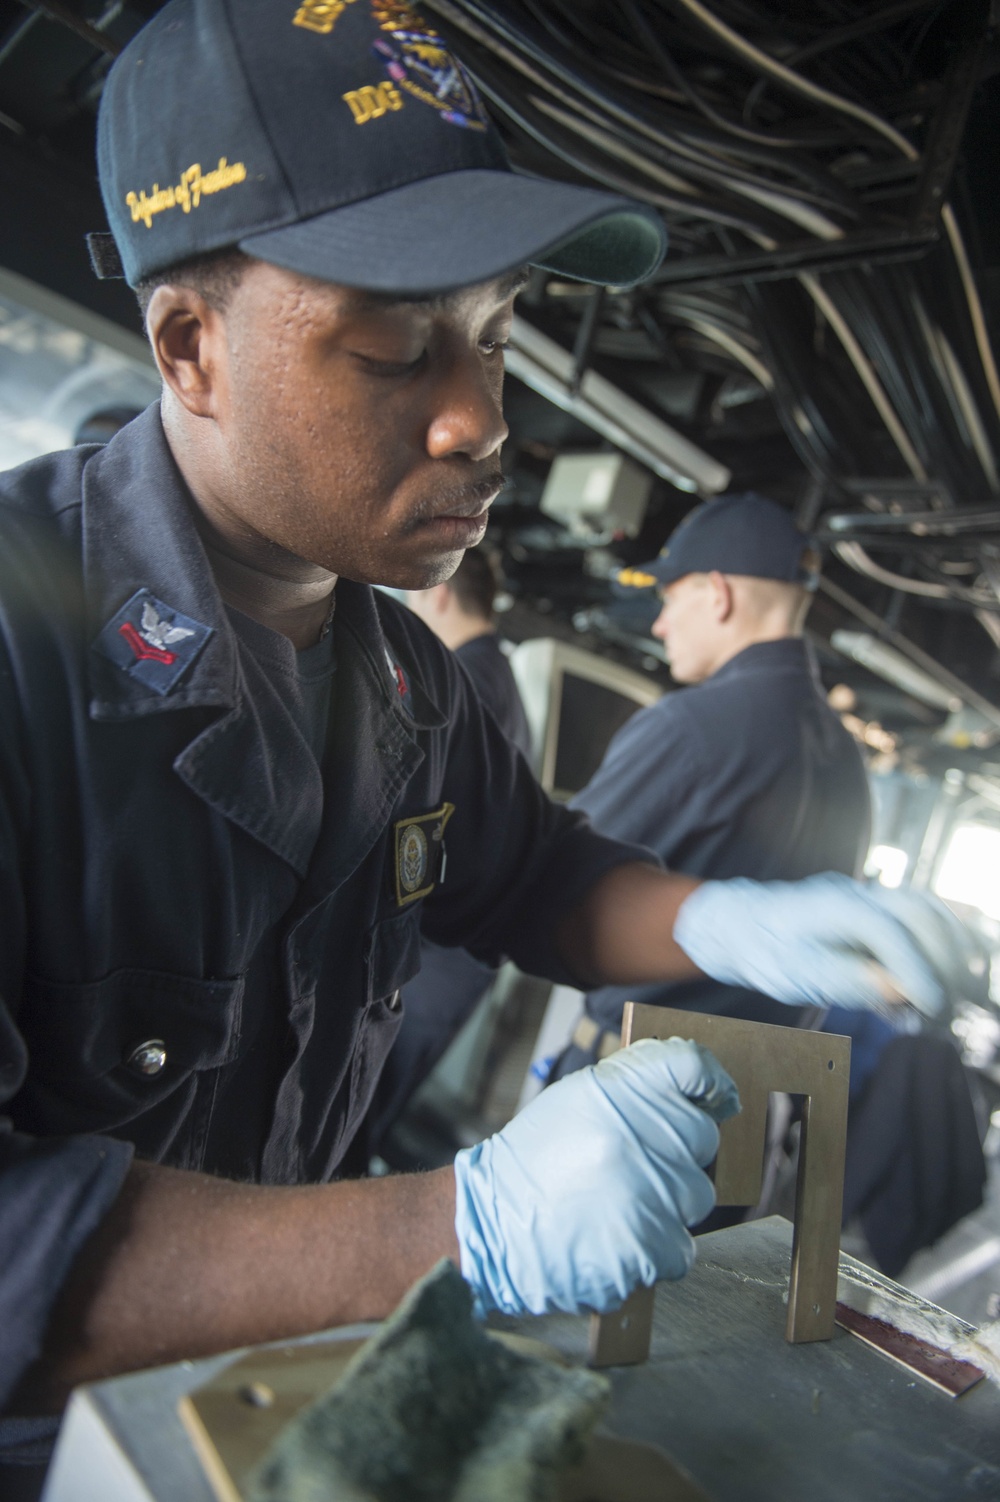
(547, 368)
(918, 523)
(83, 29)
(816, 256)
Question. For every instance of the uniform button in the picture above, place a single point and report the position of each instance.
(148, 1057)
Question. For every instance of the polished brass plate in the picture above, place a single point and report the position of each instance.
(761, 1059)
(234, 1419)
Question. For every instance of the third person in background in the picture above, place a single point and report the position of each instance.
(748, 773)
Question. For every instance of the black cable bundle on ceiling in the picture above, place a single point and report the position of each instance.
(753, 129)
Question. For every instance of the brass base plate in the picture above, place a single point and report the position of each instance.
(236, 1417)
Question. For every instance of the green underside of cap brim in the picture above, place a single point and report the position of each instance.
(618, 251)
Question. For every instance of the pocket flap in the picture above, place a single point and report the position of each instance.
(95, 1027)
(393, 954)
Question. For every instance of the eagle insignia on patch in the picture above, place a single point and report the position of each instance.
(151, 641)
(419, 850)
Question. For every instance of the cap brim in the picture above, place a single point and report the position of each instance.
(470, 226)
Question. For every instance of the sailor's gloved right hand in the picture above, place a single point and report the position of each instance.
(831, 941)
(587, 1193)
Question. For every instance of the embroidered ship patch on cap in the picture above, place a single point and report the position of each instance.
(152, 642)
(415, 59)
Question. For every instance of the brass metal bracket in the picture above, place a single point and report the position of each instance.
(761, 1059)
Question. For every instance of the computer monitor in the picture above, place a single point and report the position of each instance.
(574, 702)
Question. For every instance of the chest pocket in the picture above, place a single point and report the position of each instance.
(108, 1052)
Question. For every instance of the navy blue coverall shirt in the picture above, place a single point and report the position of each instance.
(747, 774)
(442, 997)
(203, 930)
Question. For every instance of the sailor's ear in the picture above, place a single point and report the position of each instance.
(187, 336)
(721, 595)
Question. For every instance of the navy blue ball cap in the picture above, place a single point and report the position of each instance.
(733, 534)
(340, 139)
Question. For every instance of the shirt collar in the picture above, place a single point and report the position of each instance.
(789, 654)
(138, 536)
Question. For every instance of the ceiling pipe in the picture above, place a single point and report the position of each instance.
(909, 649)
(65, 17)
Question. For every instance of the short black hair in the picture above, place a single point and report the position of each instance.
(214, 277)
(477, 581)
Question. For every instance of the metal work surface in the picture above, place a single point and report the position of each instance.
(760, 1059)
(754, 1419)
(751, 1418)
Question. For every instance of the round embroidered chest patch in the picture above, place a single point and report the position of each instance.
(412, 858)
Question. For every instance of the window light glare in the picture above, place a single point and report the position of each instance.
(970, 869)
(888, 863)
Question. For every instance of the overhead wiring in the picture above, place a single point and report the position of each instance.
(875, 20)
(880, 369)
(676, 75)
(734, 347)
(834, 37)
(975, 305)
(854, 554)
(791, 79)
(868, 375)
(798, 84)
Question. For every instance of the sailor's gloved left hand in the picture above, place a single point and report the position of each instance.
(831, 941)
(588, 1192)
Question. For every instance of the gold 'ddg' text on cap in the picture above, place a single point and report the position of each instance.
(186, 194)
(372, 101)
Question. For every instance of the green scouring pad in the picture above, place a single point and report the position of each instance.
(432, 1409)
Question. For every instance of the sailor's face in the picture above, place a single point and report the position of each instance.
(364, 434)
(685, 625)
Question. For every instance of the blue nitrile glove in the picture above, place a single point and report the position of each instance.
(829, 941)
(586, 1194)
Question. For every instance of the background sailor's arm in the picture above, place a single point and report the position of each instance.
(622, 933)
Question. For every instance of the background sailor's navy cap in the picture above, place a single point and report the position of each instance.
(733, 534)
(342, 140)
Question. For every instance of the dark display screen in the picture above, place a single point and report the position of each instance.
(589, 715)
